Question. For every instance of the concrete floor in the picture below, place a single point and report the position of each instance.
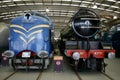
(113, 69)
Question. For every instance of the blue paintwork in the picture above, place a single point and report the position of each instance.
(42, 40)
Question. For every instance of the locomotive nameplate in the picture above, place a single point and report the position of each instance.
(26, 54)
(58, 58)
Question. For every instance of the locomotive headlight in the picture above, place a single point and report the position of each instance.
(111, 55)
(27, 16)
(43, 54)
(76, 55)
(8, 53)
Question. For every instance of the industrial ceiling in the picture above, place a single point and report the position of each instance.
(60, 11)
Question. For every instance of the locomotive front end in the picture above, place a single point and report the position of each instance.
(30, 41)
(85, 23)
(81, 48)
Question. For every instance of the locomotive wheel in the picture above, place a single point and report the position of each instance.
(82, 65)
(100, 65)
(27, 66)
(13, 64)
(43, 64)
(76, 65)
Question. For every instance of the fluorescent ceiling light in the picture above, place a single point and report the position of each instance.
(108, 10)
(19, 11)
(16, 14)
(34, 10)
(47, 10)
(8, 15)
(16, 0)
(115, 17)
(4, 13)
(20, 4)
(56, 4)
(105, 5)
(5, 18)
(66, 0)
(74, 5)
(63, 13)
(48, 3)
(12, 17)
(101, 8)
(38, 3)
(83, 6)
(25, 0)
(4, 6)
(114, 6)
(94, 6)
(118, 2)
(76, 1)
(56, 10)
(2, 16)
(7, 1)
(66, 21)
(29, 4)
(12, 12)
(65, 4)
(71, 11)
(85, 2)
(41, 10)
(112, 0)
(116, 11)
(12, 5)
(98, 3)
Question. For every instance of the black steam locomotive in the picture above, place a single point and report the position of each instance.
(81, 44)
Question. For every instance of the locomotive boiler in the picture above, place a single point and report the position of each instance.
(30, 41)
(78, 43)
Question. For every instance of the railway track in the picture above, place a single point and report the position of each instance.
(78, 76)
(39, 76)
(10, 75)
(106, 75)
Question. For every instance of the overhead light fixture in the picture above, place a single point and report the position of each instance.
(47, 10)
(94, 6)
(101, 8)
(108, 10)
(118, 2)
(105, 5)
(115, 17)
(116, 11)
(112, 0)
(16, 0)
(114, 6)
(86, 2)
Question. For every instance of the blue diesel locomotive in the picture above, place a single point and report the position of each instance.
(30, 41)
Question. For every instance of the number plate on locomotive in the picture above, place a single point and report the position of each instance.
(26, 54)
